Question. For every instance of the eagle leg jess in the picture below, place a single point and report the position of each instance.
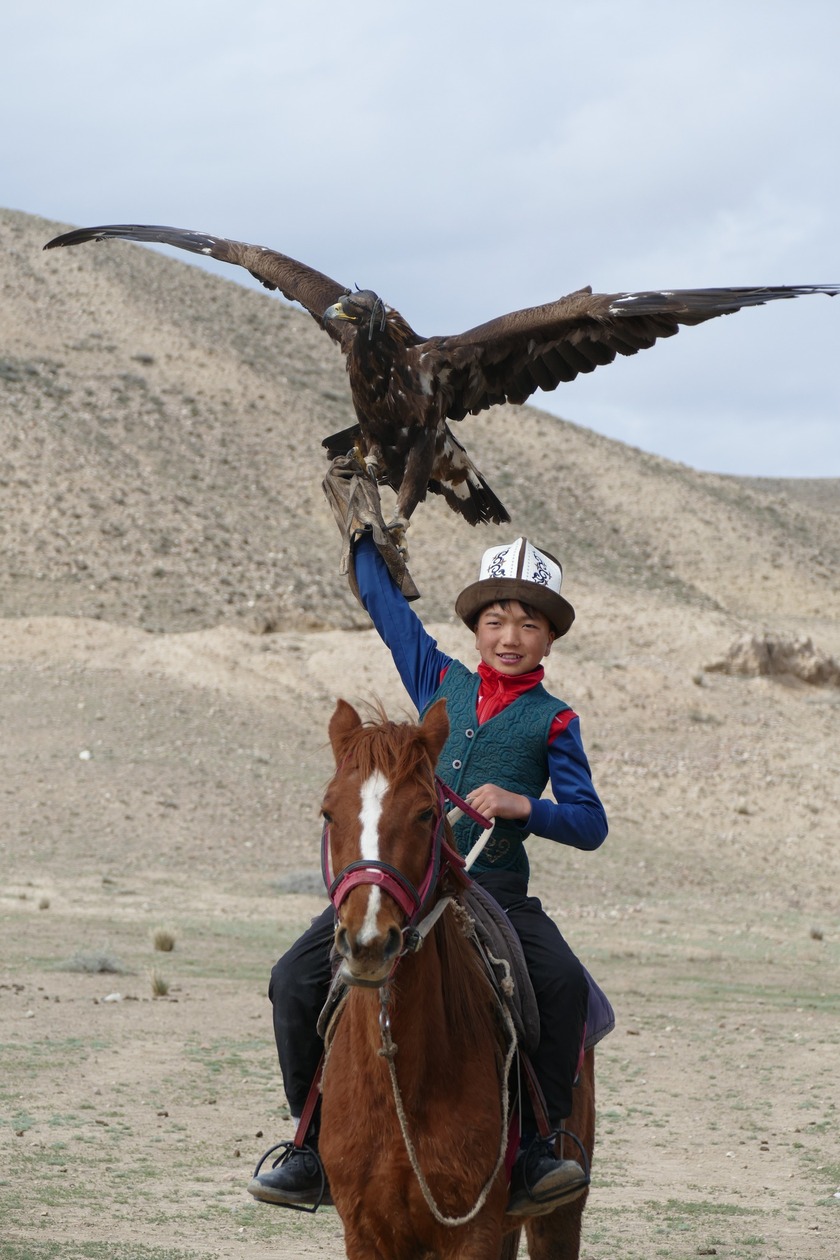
(374, 462)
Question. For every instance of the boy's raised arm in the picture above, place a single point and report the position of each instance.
(419, 661)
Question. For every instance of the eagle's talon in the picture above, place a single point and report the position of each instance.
(397, 529)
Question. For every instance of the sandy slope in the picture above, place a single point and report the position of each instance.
(163, 764)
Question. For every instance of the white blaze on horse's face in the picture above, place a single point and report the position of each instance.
(372, 795)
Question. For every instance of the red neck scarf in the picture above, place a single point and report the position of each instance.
(497, 690)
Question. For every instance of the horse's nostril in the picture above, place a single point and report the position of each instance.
(341, 942)
(393, 943)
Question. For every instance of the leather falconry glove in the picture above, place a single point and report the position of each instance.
(354, 498)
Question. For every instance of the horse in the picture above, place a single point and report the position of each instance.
(415, 1113)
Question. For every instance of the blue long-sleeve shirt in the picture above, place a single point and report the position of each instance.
(576, 816)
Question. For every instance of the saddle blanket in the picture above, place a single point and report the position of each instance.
(496, 936)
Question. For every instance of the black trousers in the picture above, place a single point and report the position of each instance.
(301, 979)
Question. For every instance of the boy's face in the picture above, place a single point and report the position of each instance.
(511, 640)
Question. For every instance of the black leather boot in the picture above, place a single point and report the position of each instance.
(296, 1179)
(540, 1181)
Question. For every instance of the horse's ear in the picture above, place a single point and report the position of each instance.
(343, 724)
(435, 729)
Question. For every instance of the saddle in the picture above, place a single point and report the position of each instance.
(499, 946)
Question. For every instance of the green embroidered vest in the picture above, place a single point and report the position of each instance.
(510, 750)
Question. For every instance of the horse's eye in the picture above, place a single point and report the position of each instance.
(426, 816)
(327, 817)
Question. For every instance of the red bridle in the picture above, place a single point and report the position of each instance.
(414, 902)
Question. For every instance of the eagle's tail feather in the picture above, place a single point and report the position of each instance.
(472, 498)
(462, 485)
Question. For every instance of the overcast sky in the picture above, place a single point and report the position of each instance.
(466, 159)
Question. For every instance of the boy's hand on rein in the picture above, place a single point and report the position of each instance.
(495, 802)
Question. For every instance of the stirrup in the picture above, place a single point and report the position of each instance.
(561, 1195)
(287, 1148)
(584, 1158)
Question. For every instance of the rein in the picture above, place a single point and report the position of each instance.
(389, 1052)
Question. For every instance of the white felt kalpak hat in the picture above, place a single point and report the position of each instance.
(520, 571)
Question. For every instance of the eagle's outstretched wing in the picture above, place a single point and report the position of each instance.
(508, 358)
(297, 282)
(404, 386)
(504, 360)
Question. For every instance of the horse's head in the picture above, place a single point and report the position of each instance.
(381, 810)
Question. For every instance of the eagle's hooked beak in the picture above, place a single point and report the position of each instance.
(336, 311)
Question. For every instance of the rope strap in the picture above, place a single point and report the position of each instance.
(388, 1052)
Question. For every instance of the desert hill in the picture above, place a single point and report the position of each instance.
(173, 636)
(161, 465)
(161, 471)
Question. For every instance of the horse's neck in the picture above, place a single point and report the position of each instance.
(442, 1013)
(420, 1001)
(417, 1012)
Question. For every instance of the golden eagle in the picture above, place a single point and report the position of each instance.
(405, 387)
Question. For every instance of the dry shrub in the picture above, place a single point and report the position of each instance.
(94, 962)
(160, 985)
(163, 940)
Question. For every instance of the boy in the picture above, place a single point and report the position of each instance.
(508, 738)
